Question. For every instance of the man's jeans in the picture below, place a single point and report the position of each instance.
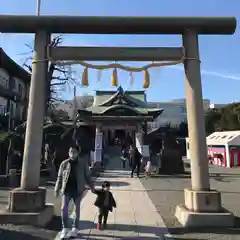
(64, 210)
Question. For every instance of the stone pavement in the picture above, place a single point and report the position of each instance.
(166, 192)
(135, 216)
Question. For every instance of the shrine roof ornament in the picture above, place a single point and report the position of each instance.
(120, 97)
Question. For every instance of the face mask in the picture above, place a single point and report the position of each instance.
(72, 156)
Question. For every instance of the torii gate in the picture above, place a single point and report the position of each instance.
(202, 205)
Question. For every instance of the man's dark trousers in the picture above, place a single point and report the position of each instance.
(136, 166)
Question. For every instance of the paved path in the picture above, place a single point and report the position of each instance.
(166, 192)
(135, 216)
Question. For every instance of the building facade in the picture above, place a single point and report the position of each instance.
(175, 112)
(14, 89)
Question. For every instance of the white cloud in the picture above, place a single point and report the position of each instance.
(211, 73)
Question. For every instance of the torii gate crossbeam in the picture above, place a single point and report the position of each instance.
(116, 25)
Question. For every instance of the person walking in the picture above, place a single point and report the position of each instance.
(136, 161)
(131, 155)
(105, 203)
(72, 177)
(124, 156)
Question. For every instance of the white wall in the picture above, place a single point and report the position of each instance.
(175, 112)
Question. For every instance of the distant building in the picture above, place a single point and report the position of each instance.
(14, 88)
(175, 112)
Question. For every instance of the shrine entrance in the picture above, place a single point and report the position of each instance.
(117, 138)
(202, 206)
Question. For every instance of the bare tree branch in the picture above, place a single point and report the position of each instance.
(59, 76)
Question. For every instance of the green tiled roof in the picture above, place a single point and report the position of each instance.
(101, 110)
(104, 100)
(103, 96)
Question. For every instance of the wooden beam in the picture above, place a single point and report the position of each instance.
(116, 25)
(116, 53)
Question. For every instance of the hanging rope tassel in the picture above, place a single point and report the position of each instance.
(85, 77)
(114, 78)
(146, 82)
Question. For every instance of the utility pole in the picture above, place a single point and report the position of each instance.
(74, 107)
(74, 115)
(38, 8)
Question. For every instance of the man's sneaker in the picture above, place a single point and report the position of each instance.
(98, 226)
(74, 232)
(64, 234)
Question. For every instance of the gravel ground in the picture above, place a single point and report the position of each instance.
(167, 191)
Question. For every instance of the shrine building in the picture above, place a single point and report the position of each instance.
(118, 116)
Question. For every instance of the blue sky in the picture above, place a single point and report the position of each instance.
(219, 54)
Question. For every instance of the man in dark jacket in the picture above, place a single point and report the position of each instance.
(136, 161)
(73, 175)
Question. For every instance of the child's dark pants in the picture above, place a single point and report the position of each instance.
(103, 214)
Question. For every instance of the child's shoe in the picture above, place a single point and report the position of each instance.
(99, 226)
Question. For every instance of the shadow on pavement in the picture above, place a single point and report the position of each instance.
(157, 231)
(16, 235)
(185, 175)
(221, 231)
(123, 238)
(56, 224)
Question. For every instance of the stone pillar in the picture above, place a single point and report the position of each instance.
(195, 114)
(202, 205)
(27, 204)
(36, 112)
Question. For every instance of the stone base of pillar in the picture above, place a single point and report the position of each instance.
(203, 209)
(27, 207)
